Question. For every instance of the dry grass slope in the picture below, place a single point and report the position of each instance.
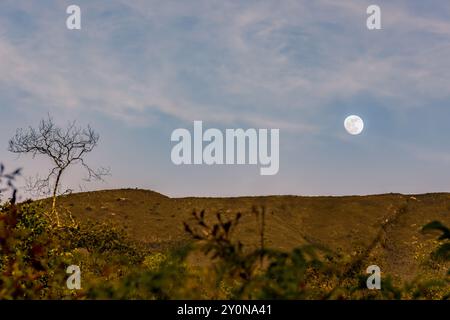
(385, 229)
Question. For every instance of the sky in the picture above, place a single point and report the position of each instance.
(137, 70)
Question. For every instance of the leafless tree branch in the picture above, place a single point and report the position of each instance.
(64, 146)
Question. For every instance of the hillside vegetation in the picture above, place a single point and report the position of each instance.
(389, 224)
(139, 244)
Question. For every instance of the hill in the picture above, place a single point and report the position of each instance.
(385, 229)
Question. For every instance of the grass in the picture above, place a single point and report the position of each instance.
(377, 229)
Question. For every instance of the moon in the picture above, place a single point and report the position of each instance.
(354, 124)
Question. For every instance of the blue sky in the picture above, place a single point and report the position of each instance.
(140, 69)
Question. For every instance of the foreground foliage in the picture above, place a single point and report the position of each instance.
(35, 254)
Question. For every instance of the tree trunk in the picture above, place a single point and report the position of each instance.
(55, 191)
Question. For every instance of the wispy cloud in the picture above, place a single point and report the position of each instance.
(224, 61)
(300, 66)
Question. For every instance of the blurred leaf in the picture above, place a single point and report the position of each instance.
(436, 225)
(443, 251)
(227, 226)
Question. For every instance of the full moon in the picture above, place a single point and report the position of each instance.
(354, 124)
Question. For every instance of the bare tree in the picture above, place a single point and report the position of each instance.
(63, 146)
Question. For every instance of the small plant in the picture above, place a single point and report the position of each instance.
(255, 274)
